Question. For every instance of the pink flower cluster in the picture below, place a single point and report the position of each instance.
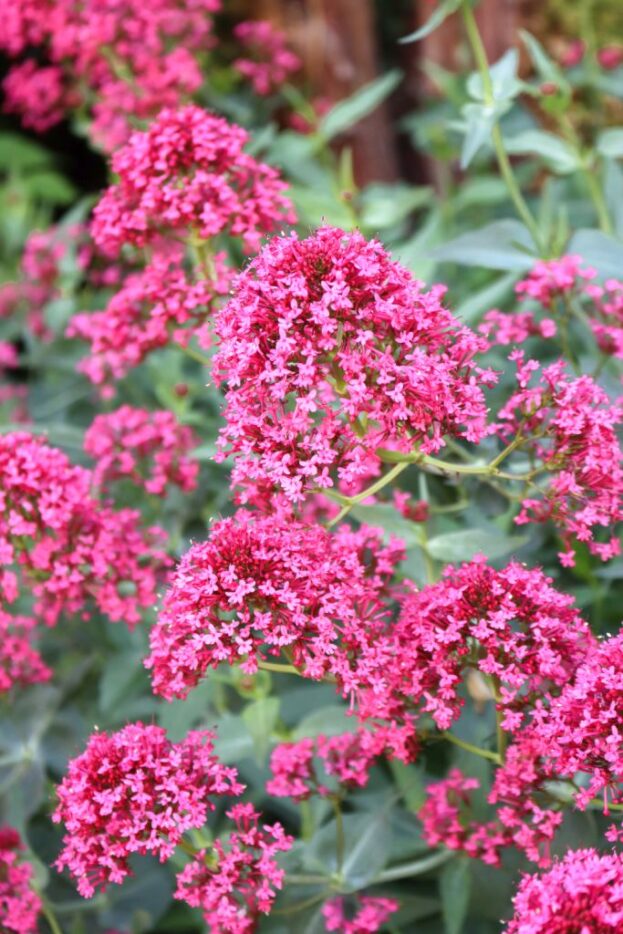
(70, 548)
(149, 447)
(236, 882)
(504, 328)
(368, 916)
(20, 663)
(551, 279)
(511, 625)
(330, 350)
(19, 904)
(135, 792)
(270, 62)
(188, 175)
(154, 306)
(569, 426)
(123, 62)
(582, 892)
(347, 757)
(260, 585)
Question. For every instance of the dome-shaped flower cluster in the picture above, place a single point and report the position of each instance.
(135, 792)
(329, 350)
(19, 903)
(260, 585)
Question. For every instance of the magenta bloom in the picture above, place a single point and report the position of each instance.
(510, 624)
(237, 881)
(150, 448)
(188, 175)
(19, 904)
(269, 62)
(570, 427)
(20, 663)
(581, 894)
(368, 916)
(70, 549)
(259, 585)
(135, 792)
(330, 350)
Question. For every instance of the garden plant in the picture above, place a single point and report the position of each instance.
(310, 492)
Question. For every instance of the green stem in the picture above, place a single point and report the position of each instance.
(597, 197)
(416, 868)
(276, 666)
(339, 833)
(295, 879)
(500, 733)
(350, 501)
(469, 747)
(48, 913)
(506, 171)
(195, 355)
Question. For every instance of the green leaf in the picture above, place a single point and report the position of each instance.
(610, 143)
(546, 67)
(484, 299)
(442, 11)
(315, 207)
(479, 122)
(503, 76)
(384, 516)
(180, 716)
(383, 206)
(121, 676)
(503, 244)
(50, 187)
(260, 719)
(463, 545)
(600, 250)
(347, 113)
(328, 721)
(556, 152)
(414, 253)
(233, 740)
(454, 888)
(17, 152)
(367, 839)
(613, 191)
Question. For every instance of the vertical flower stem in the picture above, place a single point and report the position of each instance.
(339, 833)
(49, 916)
(506, 170)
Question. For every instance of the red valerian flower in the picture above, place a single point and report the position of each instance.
(330, 350)
(569, 427)
(135, 792)
(259, 585)
(20, 663)
(347, 757)
(151, 448)
(366, 916)
(19, 904)
(69, 548)
(582, 892)
(238, 880)
(188, 174)
(511, 625)
(270, 62)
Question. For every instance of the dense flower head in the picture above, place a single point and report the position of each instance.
(330, 350)
(259, 585)
(150, 447)
(20, 663)
(569, 425)
(188, 174)
(19, 904)
(121, 61)
(552, 279)
(70, 548)
(347, 757)
(238, 880)
(270, 62)
(154, 307)
(580, 732)
(364, 914)
(134, 791)
(511, 625)
(582, 893)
